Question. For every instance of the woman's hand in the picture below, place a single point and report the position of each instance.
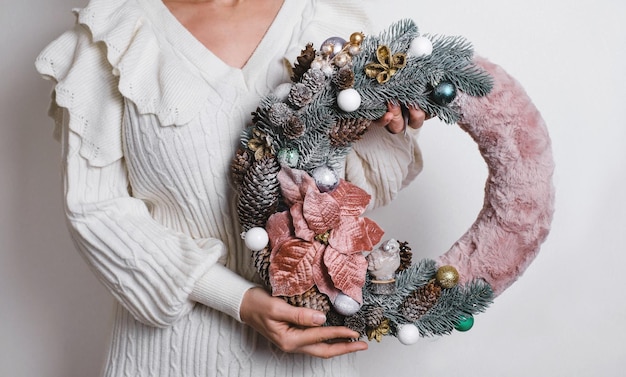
(395, 121)
(296, 330)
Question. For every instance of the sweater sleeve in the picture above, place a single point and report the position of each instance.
(156, 273)
(383, 163)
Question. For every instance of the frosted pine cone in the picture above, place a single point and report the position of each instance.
(259, 193)
(279, 113)
(420, 301)
(347, 131)
(300, 95)
(314, 79)
(261, 260)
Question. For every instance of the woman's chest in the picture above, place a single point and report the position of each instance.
(182, 161)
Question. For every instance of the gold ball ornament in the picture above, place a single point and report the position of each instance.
(447, 276)
(356, 38)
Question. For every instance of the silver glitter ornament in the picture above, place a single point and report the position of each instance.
(332, 46)
(325, 178)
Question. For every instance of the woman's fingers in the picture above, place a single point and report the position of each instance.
(397, 118)
(328, 350)
(416, 117)
(318, 341)
(296, 330)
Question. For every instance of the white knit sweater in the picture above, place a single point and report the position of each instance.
(149, 121)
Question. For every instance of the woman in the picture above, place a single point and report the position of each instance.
(150, 101)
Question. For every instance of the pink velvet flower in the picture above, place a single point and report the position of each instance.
(321, 239)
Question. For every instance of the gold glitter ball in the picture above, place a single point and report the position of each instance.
(447, 276)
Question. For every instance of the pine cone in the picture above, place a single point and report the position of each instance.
(406, 256)
(314, 79)
(294, 128)
(356, 323)
(300, 95)
(256, 115)
(373, 317)
(279, 113)
(239, 166)
(334, 319)
(344, 79)
(259, 193)
(312, 298)
(260, 144)
(261, 260)
(420, 301)
(347, 131)
(303, 62)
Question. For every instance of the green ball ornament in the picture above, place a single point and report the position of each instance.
(289, 157)
(465, 323)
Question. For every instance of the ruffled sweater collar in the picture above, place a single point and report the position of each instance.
(140, 32)
(163, 68)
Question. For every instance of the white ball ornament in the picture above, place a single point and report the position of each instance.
(282, 91)
(317, 63)
(421, 46)
(408, 334)
(346, 305)
(256, 238)
(349, 100)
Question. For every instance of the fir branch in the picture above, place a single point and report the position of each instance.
(454, 303)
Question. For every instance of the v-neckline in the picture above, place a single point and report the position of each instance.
(211, 65)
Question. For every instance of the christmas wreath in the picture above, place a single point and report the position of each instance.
(304, 224)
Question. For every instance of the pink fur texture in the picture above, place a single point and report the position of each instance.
(519, 196)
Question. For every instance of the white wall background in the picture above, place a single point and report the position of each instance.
(565, 317)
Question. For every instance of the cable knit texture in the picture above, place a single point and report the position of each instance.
(149, 121)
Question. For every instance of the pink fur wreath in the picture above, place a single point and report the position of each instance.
(318, 251)
(519, 197)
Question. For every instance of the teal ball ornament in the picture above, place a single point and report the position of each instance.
(465, 323)
(444, 93)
